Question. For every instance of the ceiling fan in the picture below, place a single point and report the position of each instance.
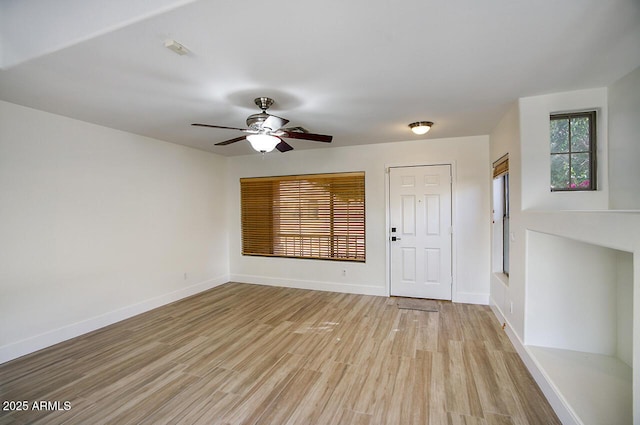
(266, 132)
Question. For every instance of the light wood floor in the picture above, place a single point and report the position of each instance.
(247, 354)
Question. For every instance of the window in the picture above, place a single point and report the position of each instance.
(320, 216)
(573, 147)
(505, 224)
(501, 215)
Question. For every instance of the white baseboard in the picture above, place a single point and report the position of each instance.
(29, 345)
(471, 298)
(382, 291)
(559, 404)
(313, 285)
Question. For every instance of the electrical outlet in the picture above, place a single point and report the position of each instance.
(185, 276)
(344, 272)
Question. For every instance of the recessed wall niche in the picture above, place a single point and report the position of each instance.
(579, 323)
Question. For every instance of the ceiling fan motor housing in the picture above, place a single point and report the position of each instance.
(255, 121)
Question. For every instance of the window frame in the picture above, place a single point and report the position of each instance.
(506, 221)
(501, 175)
(277, 220)
(591, 152)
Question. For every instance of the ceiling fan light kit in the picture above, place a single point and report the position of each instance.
(420, 127)
(263, 142)
(266, 130)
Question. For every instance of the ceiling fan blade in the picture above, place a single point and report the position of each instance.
(222, 126)
(284, 146)
(306, 136)
(228, 142)
(274, 123)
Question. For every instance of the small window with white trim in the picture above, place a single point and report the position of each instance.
(573, 151)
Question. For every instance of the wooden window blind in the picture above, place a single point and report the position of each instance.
(501, 166)
(320, 216)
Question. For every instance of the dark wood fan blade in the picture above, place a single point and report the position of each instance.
(274, 123)
(222, 126)
(228, 142)
(284, 146)
(307, 136)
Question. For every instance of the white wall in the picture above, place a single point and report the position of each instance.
(470, 156)
(505, 138)
(524, 134)
(541, 291)
(624, 142)
(535, 146)
(624, 306)
(97, 225)
(572, 294)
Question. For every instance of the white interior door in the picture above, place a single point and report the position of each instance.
(420, 233)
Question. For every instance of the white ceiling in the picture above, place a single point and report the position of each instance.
(358, 70)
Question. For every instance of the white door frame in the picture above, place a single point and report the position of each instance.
(387, 221)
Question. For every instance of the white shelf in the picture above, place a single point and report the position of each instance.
(598, 388)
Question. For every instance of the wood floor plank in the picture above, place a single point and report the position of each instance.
(351, 417)
(461, 390)
(417, 405)
(427, 335)
(326, 397)
(249, 354)
(450, 328)
(494, 419)
(397, 405)
(437, 390)
(458, 419)
(209, 409)
(263, 392)
(528, 394)
(291, 398)
(493, 392)
(405, 334)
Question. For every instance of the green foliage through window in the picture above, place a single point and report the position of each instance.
(573, 147)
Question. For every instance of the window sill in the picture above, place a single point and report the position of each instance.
(503, 278)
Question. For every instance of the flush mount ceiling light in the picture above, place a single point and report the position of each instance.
(420, 127)
(263, 142)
